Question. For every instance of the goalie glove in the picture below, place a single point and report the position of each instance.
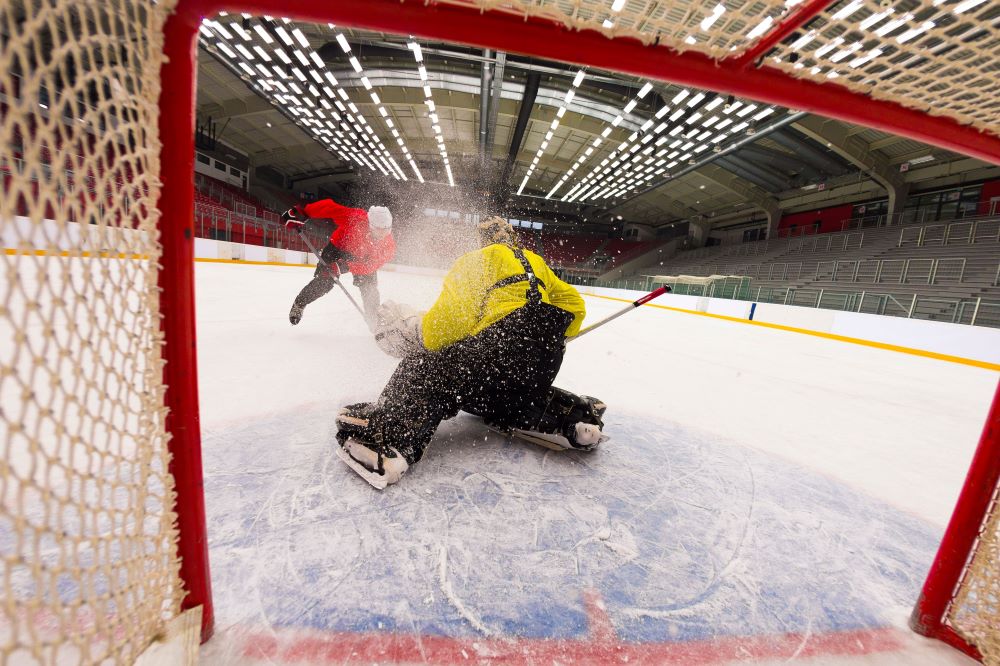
(397, 330)
(294, 218)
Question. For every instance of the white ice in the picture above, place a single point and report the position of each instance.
(758, 483)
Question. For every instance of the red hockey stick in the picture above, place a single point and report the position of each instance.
(628, 308)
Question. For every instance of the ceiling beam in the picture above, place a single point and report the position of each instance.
(523, 114)
(751, 193)
(805, 151)
(237, 107)
(837, 137)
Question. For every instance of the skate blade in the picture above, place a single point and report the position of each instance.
(377, 480)
(554, 442)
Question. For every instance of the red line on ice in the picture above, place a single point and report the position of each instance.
(601, 647)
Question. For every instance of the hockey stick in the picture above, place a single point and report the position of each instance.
(319, 257)
(628, 308)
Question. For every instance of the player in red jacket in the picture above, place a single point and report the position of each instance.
(361, 243)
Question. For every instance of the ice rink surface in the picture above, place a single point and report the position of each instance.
(766, 497)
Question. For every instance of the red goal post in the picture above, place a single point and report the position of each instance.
(121, 202)
(948, 100)
(649, 40)
(960, 601)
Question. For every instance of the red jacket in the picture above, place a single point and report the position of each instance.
(351, 235)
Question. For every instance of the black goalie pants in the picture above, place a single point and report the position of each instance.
(502, 374)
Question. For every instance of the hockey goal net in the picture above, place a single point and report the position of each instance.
(101, 521)
(88, 529)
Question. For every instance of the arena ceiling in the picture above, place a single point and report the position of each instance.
(348, 106)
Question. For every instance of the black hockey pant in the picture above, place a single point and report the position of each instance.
(323, 281)
(502, 374)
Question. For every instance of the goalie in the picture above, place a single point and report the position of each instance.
(491, 345)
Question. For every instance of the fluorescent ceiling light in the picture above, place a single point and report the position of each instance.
(284, 35)
(301, 38)
(679, 97)
(761, 28)
(238, 29)
(967, 5)
(892, 25)
(225, 49)
(630, 106)
(915, 32)
(848, 9)
(875, 18)
(221, 29)
(829, 46)
(259, 29)
(645, 89)
(707, 22)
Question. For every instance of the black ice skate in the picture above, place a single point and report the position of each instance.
(376, 464)
(569, 421)
(295, 314)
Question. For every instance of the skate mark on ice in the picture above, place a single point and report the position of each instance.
(449, 593)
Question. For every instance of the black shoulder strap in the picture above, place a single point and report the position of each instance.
(532, 294)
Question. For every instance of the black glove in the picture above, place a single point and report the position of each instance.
(294, 218)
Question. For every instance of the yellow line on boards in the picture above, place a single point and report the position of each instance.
(819, 334)
(65, 253)
(208, 260)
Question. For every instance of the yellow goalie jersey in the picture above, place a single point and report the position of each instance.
(468, 302)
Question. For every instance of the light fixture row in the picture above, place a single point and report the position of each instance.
(303, 86)
(678, 132)
(431, 108)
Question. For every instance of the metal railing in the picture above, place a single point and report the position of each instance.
(969, 311)
(221, 224)
(986, 230)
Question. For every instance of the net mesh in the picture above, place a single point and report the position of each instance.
(975, 611)
(87, 536)
(939, 56)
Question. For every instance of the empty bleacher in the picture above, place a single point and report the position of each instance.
(567, 251)
(943, 271)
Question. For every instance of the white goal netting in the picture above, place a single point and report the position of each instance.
(975, 611)
(87, 537)
(939, 56)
